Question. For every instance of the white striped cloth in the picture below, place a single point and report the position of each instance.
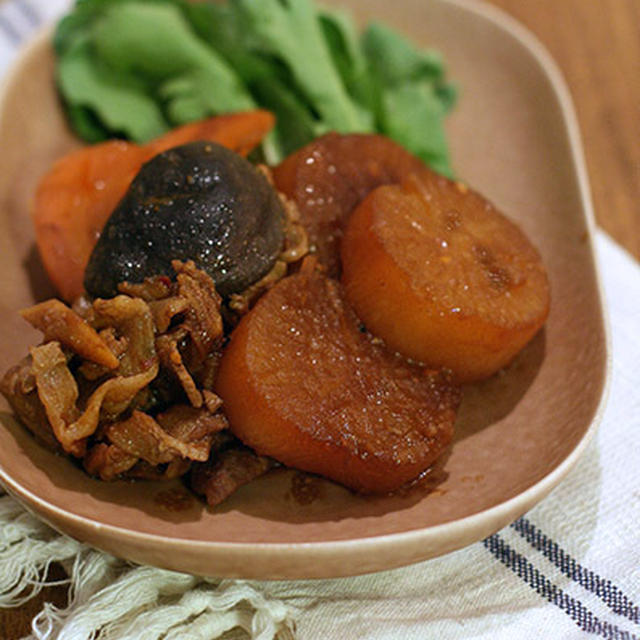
(569, 569)
(20, 19)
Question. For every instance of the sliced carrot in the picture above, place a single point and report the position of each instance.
(241, 132)
(74, 200)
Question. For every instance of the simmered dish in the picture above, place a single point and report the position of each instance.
(274, 267)
(214, 339)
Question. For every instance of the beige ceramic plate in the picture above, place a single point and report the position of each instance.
(514, 137)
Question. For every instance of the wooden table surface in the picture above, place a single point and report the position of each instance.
(596, 43)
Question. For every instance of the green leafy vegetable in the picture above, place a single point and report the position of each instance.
(119, 101)
(349, 57)
(140, 68)
(292, 33)
(135, 68)
(414, 96)
(268, 80)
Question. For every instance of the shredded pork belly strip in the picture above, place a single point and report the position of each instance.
(171, 358)
(125, 383)
(224, 474)
(58, 322)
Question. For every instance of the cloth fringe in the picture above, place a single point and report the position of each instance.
(110, 599)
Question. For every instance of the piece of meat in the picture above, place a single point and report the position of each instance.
(142, 436)
(58, 392)
(112, 398)
(55, 384)
(58, 322)
(190, 424)
(161, 449)
(165, 310)
(225, 473)
(150, 289)
(212, 401)
(202, 320)
(18, 386)
(171, 359)
(132, 320)
(156, 332)
(108, 462)
(117, 346)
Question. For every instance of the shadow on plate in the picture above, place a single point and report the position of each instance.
(58, 480)
(39, 283)
(485, 403)
(283, 495)
(287, 495)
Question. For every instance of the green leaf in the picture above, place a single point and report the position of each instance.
(396, 60)
(156, 42)
(295, 123)
(415, 95)
(270, 81)
(343, 40)
(290, 30)
(119, 101)
(86, 124)
(414, 118)
(140, 68)
(134, 68)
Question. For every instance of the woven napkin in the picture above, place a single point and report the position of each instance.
(570, 568)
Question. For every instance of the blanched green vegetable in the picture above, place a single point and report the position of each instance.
(139, 67)
(267, 79)
(414, 95)
(291, 33)
(101, 101)
(135, 68)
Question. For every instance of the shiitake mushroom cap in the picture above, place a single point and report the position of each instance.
(201, 202)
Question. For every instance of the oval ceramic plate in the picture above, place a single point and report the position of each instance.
(514, 138)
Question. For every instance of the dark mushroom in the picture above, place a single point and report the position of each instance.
(199, 201)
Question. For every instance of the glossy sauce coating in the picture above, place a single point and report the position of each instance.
(439, 274)
(328, 177)
(302, 383)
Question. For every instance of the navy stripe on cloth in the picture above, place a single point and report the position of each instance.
(609, 593)
(28, 12)
(583, 617)
(18, 19)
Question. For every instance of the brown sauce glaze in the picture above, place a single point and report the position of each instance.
(175, 500)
